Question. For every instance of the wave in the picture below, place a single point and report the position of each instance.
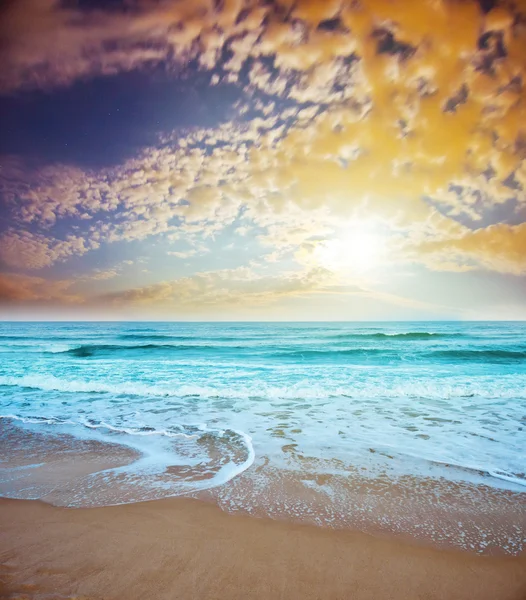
(35, 420)
(194, 338)
(92, 424)
(484, 354)
(87, 350)
(147, 336)
(516, 478)
(199, 434)
(50, 383)
(411, 335)
(502, 389)
(467, 467)
(305, 354)
(44, 338)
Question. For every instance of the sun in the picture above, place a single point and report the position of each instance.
(357, 247)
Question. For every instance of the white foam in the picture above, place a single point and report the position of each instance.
(133, 431)
(154, 459)
(37, 420)
(487, 389)
(507, 477)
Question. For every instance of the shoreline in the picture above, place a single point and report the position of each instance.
(187, 548)
(426, 511)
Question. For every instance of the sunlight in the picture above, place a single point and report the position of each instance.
(358, 247)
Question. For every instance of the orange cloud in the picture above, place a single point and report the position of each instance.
(227, 287)
(498, 247)
(15, 289)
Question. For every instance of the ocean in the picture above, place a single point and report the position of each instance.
(413, 428)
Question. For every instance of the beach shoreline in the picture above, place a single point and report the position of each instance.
(186, 548)
(431, 511)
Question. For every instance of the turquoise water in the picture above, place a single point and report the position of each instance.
(199, 405)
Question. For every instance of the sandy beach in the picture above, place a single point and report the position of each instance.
(184, 548)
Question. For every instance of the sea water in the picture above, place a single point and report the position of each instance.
(287, 419)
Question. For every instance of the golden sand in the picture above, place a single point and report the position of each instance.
(183, 548)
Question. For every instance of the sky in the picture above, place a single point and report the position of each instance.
(263, 160)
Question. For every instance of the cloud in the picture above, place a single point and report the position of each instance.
(244, 291)
(50, 43)
(499, 248)
(183, 254)
(25, 250)
(105, 274)
(226, 287)
(45, 193)
(16, 289)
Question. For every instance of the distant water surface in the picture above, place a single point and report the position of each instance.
(208, 406)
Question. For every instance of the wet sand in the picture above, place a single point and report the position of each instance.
(184, 548)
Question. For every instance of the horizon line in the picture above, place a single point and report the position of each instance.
(2, 321)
